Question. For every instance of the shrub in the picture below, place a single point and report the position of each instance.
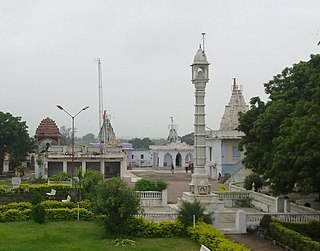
(253, 178)
(205, 234)
(62, 176)
(68, 214)
(16, 205)
(265, 222)
(118, 202)
(187, 210)
(146, 184)
(292, 238)
(15, 215)
(37, 198)
(222, 189)
(38, 214)
(139, 227)
(50, 204)
(311, 229)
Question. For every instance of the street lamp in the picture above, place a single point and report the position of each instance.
(72, 137)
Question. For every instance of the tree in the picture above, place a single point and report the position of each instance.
(66, 134)
(89, 138)
(141, 143)
(14, 139)
(188, 138)
(86, 182)
(188, 210)
(119, 203)
(282, 137)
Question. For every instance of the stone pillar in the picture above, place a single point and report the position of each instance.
(200, 189)
(241, 221)
(65, 166)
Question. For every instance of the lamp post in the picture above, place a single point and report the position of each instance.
(72, 137)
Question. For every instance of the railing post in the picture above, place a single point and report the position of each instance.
(241, 221)
(164, 199)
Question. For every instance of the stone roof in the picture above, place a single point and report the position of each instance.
(47, 128)
(230, 118)
(200, 57)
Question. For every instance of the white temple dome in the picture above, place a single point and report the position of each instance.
(200, 57)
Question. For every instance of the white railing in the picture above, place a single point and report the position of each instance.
(150, 195)
(295, 208)
(158, 217)
(253, 219)
(233, 195)
(153, 198)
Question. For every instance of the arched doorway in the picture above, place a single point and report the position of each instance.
(189, 158)
(178, 159)
(167, 159)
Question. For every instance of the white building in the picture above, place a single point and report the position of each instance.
(223, 155)
(176, 152)
(53, 158)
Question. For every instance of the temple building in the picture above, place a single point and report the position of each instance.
(53, 158)
(223, 155)
(176, 152)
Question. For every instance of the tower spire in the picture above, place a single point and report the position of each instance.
(203, 34)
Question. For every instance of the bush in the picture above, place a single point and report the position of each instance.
(146, 184)
(205, 234)
(38, 214)
(15, 215)
(118, 202)
(68, 214)
(311, 229)
(188, 210)
(292, 238)
(37, 198)
(253, 178)
(62, 176)
(139, 227)
(50, 204)
(265, 222)
(16, 205)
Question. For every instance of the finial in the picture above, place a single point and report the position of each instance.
(234, 87)
(203, 38)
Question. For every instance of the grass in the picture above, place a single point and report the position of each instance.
(80, 236)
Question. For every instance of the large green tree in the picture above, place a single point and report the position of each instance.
(282, 136)
(141, 143)
(14, 139)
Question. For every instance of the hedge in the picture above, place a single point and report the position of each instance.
(139, 227)
(55, 210)
(205, 234)
(292, 238)
(15, 205)
(41, 188)
(15, 215)
(67, 214)
(311, 229)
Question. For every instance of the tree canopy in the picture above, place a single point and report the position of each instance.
(282, 136)
(14, 138)
(141, 143)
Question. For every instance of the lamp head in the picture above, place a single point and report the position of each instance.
(60, 107)
(85, 108)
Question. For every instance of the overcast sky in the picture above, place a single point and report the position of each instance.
(48, 52)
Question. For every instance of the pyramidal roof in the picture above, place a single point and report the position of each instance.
(230, 118)
(48, 128)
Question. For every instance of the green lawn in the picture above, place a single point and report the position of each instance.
(86, 236)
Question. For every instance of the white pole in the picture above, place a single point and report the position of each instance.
(194, 221)
(78, 213)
